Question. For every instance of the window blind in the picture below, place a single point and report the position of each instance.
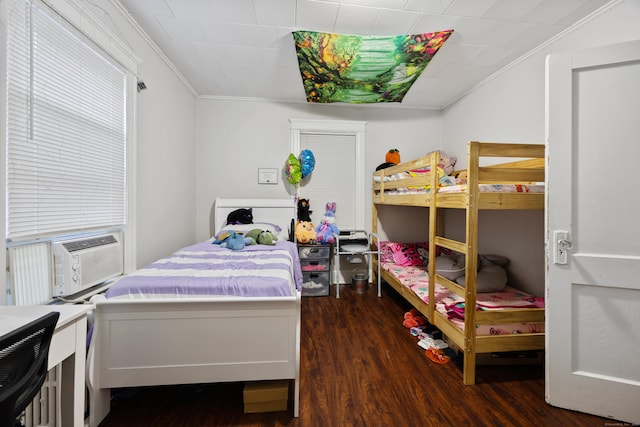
(333, 180)
(66, 128)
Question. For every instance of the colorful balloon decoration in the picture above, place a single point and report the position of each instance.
(293, 169)
(307, 162)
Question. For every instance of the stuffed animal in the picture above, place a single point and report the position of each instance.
(261, 237)
(304, 214)
(384, 165)
(328, 230)
(240, 216)
(446, 163)
(461, 177)
(305, 232)
(231, 240)
(392, 156)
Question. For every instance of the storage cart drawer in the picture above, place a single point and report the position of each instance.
(315, 284)
(306, 252)
(314, 265)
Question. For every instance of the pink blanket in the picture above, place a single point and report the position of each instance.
(416, 279)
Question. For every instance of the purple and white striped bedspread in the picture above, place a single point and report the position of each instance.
(205, 269)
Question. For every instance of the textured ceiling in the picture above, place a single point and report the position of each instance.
(244, 48)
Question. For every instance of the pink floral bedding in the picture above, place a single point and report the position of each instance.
(451, 305)
(483, 188)
(449, 184)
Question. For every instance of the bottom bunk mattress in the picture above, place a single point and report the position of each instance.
(416, 279)
(206, 269)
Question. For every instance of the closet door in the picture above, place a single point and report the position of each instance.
(593, 237)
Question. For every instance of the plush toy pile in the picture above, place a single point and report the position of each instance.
(237, 241)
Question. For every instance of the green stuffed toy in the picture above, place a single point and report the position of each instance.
(261, 237)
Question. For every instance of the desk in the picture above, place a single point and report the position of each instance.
(357, 242)
(68, 346)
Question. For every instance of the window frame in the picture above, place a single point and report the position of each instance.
(337, 127)
(78, 16)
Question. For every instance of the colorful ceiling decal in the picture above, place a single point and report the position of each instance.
(363, 69)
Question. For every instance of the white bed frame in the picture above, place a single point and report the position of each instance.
(200, 340)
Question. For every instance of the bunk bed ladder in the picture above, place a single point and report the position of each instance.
(467, 248)
(471, 263)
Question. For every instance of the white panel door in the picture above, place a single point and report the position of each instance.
(593, 272)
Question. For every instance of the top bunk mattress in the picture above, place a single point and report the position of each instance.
(205, 269)
(450, 184)
(482, 188)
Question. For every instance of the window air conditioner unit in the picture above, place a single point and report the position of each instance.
(81, 264)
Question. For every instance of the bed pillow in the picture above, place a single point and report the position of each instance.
(488, 259)
(406, 254)
(386, 255)
(450, 266)
(265, 226)
(491, 278)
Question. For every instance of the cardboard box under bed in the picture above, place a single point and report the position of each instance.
(266, 396)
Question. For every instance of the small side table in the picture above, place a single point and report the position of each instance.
(315, 262)
(357, 242)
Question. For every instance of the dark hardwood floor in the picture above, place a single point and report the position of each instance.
(361, 367)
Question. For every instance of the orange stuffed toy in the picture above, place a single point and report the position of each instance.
(393, 156)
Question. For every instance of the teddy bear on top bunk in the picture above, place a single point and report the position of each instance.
(446, 163)
(327, 231)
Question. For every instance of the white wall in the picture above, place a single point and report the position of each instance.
(511, 108)
(165, 158)
(236, 137)
(3, 160)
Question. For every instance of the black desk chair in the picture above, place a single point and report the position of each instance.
(23, 365)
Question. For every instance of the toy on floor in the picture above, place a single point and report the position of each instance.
(328, 230)
(413, 319)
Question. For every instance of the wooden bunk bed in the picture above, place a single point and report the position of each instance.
(527, 169)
